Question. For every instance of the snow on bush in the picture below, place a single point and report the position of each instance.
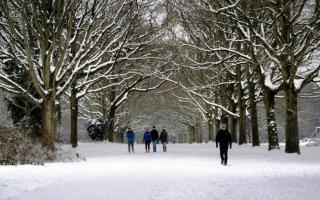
(95, 129)
(16, 147)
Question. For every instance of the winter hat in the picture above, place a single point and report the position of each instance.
(223, 126)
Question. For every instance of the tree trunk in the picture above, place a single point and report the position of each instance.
(233, 129)
(191, 134)
(292, 129)
(233, 122)
(74, 117)
(269, 103)
(73, 99)
(217, 128)
(254, 115)
(110, 124)
(104, 117)
(49, 119)
(233, 108)
(242, 120)
(111, 117)
(199, 133)
(210, 123)
(242, 126)
(242, 107)
(288, 71)
(196, 133)
(210, 129)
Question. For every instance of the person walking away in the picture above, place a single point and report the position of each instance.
(223, 138)
(164, 139)
(130, 138)
(147, 140)
(155, 138)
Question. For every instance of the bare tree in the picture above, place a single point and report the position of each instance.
(38, 36)
(287, 32)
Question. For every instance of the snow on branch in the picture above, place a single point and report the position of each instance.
(203, 97)
(69, 39)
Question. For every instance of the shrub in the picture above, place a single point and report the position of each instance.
(16, 147)
(95, 128)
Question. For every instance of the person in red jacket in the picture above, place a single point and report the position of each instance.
(223, 138)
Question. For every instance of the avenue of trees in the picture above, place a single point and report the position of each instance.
(253, 51)
(225, 56)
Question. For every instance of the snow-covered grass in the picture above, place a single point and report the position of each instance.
(184, 172)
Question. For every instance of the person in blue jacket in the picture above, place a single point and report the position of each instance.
(130, 138)
(147, 139)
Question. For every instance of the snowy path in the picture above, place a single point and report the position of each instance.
(184, 172)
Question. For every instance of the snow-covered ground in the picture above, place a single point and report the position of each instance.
(184, 172)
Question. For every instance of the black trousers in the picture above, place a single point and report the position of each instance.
(224, 154)
(132, 147)
(147, 145)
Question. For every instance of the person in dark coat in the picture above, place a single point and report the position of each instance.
(155, 138)
(164, 139)
(223, 138)
(147, 139)
(130, 138)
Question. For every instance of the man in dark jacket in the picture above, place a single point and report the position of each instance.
(224, 139)
(130, 138)
(164, 139)
(155, 138)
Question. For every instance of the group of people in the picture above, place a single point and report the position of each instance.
(148, 137)
(223, 139)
